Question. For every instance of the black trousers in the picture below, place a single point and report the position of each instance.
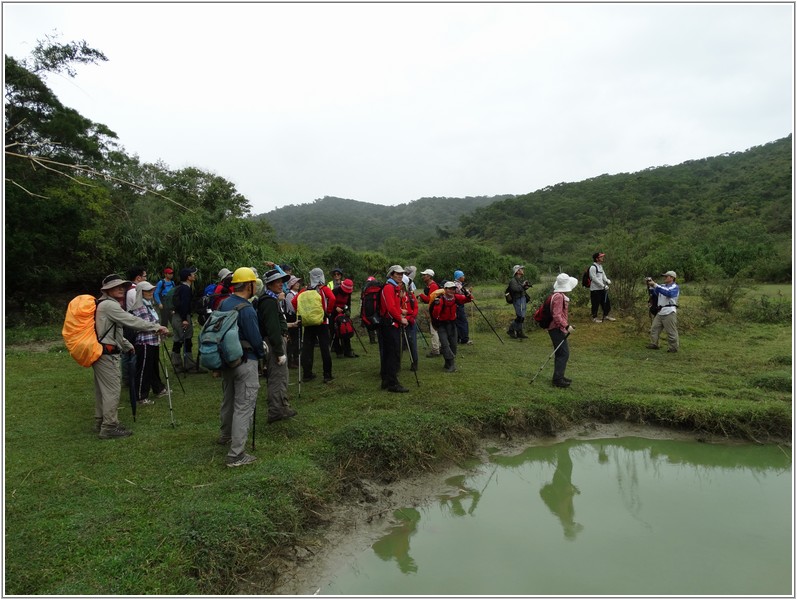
(310, 335)
(562, 354)
(600, 298)
(390, 354)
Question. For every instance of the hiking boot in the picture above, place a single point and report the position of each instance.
(450, 366)
(397, 389)
(97, 424)
(561, 383)
(522, 336)
(652, 346)
(309, 377)
(115, 432)
(511, 333)
(385, 385)
(243, 459)
(597, 320)
(328, 379)
(286, 414)
(672, 349)
(433, 355)
(351, 355)
(338, 354)
(162, 393)
(146, 402)
(607, 318)
(191, 366)
(223, 440)
(177, 362)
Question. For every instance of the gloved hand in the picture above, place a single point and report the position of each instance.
(570, 329)
(281, 360)
(608, 281)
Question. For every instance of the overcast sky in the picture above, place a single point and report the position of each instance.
(388, 103)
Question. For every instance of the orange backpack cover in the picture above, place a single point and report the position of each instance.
(78, 331)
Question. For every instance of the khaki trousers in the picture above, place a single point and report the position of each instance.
(668, 323)
(107, 389)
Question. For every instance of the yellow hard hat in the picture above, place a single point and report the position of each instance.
(243, 274)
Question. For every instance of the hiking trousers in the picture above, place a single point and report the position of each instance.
(310, 335)
(562, 354)
(600, 299)
(435, 339)
(107, 389)
(390, 354)
(239, 388)
(447, 330)
(668, 323)
(277, 387)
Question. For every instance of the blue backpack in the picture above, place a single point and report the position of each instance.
(219, 344)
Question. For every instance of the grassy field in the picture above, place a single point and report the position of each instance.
(158, 513)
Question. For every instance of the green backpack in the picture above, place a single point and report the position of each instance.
(168, 302)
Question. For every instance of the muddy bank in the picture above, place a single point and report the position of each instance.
(354, 526)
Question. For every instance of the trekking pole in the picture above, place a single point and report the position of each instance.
(359, 339)
(423, 337)
(168, 388)
(301, 329)
(254, 424)
(409, 349)
(165, 360)
(567, 335)
(486, 319)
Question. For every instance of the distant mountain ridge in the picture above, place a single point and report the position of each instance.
(365, 226)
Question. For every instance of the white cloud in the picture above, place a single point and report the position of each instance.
(390, 102)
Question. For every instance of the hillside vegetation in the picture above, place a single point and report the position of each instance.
(366, 226)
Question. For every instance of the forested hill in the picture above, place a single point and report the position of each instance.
(365, 226)
(730, 210)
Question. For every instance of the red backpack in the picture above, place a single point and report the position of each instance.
(543, 314)
(343, 326)
(370, 302)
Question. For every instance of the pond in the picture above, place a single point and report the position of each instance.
(623, 516)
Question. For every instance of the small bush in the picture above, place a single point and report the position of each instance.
(766, 309)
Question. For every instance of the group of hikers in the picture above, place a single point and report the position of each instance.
(280, 320)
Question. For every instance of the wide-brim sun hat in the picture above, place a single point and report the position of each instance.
(112, 281)
(564, 283)
(144, 286)
(517, 268)
(395, 269)
(223, 273)
(274, 275)
(293, 281)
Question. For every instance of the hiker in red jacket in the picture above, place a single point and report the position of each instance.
(443, 312)
(391, 320)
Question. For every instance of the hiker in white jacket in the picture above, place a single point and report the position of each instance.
(599, 289)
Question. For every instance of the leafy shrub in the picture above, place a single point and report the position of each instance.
(766, 309)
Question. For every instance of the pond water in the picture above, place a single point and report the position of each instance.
(628, 516)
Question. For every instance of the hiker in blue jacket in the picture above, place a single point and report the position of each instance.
(666, 311)
(241, 384)
(161, 289)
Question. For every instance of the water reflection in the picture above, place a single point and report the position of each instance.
(558, 494)
(396, 544)
(628, 516)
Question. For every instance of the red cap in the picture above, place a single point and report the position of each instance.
(168, 270)
(347, 285)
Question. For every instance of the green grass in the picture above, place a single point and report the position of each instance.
(158, 513)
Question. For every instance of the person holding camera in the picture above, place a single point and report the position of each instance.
(517, 291)
(599, 289)
(665, 309)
